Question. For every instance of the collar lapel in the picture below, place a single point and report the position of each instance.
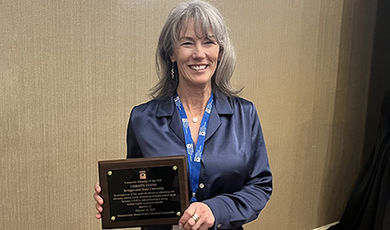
(214, 123)
(176, 125)
(221, 107)
(167, 108)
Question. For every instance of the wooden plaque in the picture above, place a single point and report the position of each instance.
(143, 191)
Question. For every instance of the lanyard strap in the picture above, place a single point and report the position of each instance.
(194, 159)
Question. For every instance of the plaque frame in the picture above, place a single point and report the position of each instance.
(135, 163)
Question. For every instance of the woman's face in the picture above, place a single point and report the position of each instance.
(196, 56)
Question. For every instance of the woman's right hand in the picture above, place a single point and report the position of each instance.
(99, 200)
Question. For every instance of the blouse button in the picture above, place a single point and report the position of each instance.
(219, 225)
(201, 185)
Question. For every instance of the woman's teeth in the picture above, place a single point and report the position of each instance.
(198, 67)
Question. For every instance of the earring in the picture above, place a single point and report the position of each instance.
(172, 72)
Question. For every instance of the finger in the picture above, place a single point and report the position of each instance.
(99, 208)
(196, 225)
(190, 224)
(98, 189)
(98, 199)
(187, 215)
(98, 216)
(96, 196)
(206, 217)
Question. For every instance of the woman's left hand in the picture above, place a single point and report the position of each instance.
(197, 216)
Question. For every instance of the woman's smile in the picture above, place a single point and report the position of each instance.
(198, 68)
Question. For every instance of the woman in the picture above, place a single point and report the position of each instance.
(196, 112)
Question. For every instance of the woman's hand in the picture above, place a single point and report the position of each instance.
(197, 216)
(99, 200)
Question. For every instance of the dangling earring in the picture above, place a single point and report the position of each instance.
(172, 72)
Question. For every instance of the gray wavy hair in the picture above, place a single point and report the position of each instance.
(207, 17)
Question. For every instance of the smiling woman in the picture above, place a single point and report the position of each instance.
(207, 23)
(196, 55)
(229, 175)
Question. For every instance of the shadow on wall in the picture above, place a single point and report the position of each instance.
(341, 164)
(346, 145)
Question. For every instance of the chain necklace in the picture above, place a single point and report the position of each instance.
(194, 118)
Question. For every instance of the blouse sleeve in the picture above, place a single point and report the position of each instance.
(235, 209)
(133, 150)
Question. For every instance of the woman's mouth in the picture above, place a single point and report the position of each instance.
(198, 67)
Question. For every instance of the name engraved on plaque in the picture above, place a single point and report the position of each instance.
(144, 193)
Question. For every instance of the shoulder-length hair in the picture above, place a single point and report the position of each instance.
(206, 17)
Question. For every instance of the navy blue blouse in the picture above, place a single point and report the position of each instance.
(235, 178)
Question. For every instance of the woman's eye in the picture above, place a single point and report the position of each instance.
(186, 43)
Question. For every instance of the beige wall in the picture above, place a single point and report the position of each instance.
(70, 71)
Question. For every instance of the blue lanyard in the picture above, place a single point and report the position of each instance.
(194, 159)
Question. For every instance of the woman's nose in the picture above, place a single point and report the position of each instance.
(198, 52)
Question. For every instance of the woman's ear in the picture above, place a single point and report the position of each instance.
(173, 58)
